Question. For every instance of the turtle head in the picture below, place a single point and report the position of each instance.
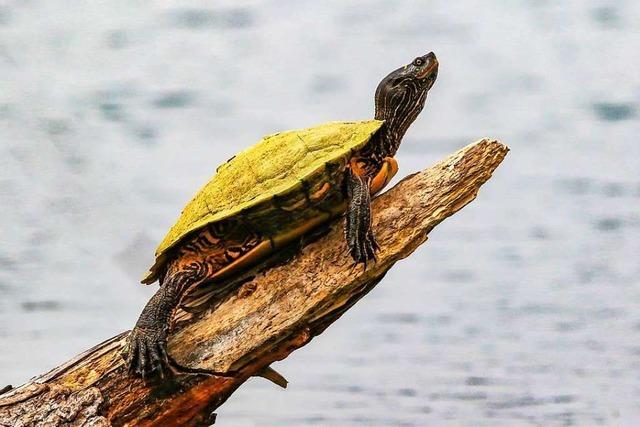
(401, 95)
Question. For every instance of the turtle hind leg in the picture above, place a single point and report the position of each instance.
(196, 262)
(146, 352)
(360, 239)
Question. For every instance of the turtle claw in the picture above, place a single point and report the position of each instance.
(364, 249)
(146, 356)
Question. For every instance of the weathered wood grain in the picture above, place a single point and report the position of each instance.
(275, 311)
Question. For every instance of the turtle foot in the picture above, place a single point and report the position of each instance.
(146, 353)
(364, 248)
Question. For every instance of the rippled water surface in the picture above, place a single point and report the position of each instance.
(523, 309)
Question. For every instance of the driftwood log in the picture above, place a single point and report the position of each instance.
(262, 320)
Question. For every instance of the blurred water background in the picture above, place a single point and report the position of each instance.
(523, 309)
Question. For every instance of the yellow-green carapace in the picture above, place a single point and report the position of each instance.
(276, 166)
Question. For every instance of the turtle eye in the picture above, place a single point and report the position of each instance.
(418, 62)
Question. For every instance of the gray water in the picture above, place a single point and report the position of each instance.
(523, 309)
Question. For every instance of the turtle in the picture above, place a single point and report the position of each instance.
(275, 192)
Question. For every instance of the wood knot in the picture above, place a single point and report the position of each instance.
(247, 290)
(301, 338)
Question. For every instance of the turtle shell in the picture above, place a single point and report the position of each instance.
(279, 171)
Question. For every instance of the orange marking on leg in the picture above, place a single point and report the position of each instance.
(387, 172)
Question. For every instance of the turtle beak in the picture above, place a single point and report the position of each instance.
(430, 65)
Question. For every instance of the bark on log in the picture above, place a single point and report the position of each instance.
(275, 311)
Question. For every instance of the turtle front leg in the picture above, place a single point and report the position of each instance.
(360, 240)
